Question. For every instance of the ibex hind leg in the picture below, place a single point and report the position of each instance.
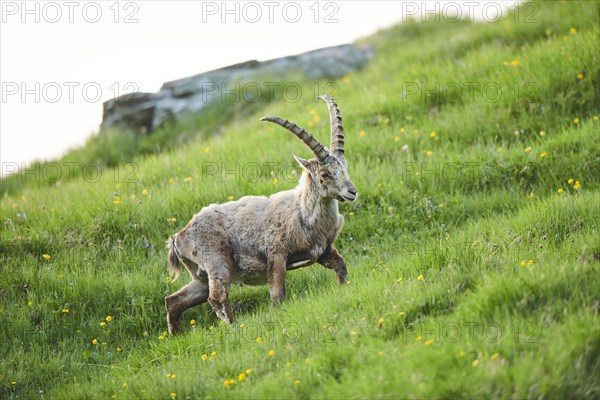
(194, 293)
(219, 297)
(217, 266)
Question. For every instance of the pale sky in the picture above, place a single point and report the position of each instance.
(51, 51)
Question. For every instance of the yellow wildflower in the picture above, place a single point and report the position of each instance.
(419, 338)
(145, 192)
(204, 357)
(528, 149)
(119, 349)
(108, 318)
(188, 179)
(420, 277)
(248, 371)
(432, 135)
(523, 263)
(560, 190)
(173, 395)
(363, 133)
(102, 324)
(573, 31)
(46, 257)
(475, 363)
(95, 341)
(461, 353)
(258, 339)
(65, 310)
(229, 198)
(576, 121)
(317, 118)
(515, 63)
(229, 382)
(494, 356)
(577, 185)
(241, 377)
(428, 343)
(193, 322)
(206, 150)
(297, 382)
(214, 353)
(171, 219)
(125, 385)
(544, 154)
(397, 139)
(429, 153)
(271, 353)
(542, 133)
(580, 76)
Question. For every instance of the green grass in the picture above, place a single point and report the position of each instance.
(470, 274)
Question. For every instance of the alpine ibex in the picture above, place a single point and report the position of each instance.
(257, 238)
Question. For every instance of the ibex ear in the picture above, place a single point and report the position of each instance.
(303, 163)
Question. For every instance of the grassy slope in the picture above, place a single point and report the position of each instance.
(464, 217)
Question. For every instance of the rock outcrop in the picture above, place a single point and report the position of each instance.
(146, 111)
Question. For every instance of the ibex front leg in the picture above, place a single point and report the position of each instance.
(276, 277)
(333, 260)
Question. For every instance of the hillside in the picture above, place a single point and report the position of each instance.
(473, 250)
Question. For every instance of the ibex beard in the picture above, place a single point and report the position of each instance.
(256, 239)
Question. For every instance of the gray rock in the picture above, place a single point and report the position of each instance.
(147, 111)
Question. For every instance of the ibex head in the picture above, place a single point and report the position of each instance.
(328, 169)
